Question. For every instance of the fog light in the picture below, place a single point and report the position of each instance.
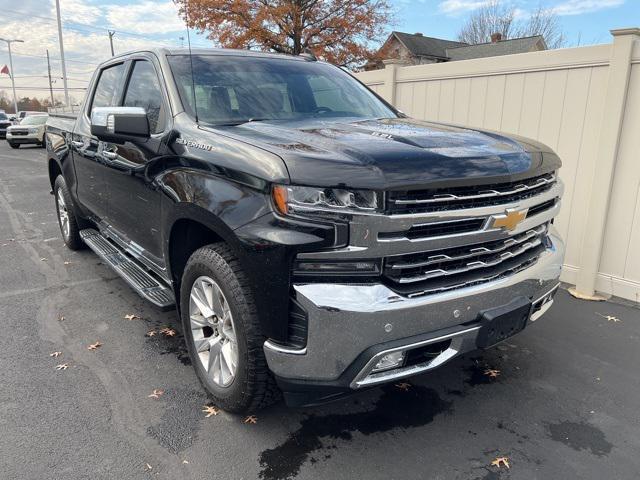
(389, 361)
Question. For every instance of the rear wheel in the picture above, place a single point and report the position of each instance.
(222, 331)
(14, 145)
(66, 216)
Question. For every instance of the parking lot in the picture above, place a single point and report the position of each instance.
(564, 401)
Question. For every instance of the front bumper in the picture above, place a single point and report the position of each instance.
(24, 139)
(351, 325)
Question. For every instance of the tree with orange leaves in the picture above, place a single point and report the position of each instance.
(342, 32)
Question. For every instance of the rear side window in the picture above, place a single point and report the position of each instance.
(105, 95)
(144, 91)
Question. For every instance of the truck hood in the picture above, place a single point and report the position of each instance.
(395, 153)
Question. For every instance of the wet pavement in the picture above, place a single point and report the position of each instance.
(564, 404)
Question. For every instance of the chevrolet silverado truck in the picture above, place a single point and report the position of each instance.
(314, 240)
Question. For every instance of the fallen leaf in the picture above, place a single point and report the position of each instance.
(61, 318)
(251, 419)
(493, 373)
(185, 461)
(210, 411)
(403, 386)
(43, 259)
(131, 316)
(157, 393)
(151, 333)
(148, 467)
(62, 366)
(498, 462)
(610, 318)
(67, 263)
(55, 354)
(169, 332)
(94, 346)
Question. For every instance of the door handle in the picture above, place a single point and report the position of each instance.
(77, 144)
(110, 155)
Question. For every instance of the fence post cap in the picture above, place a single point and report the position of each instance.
(625, 31)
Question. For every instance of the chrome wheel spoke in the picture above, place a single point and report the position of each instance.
(198, 321)
(213, 332)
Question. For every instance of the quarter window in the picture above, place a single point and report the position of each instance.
(144, 91)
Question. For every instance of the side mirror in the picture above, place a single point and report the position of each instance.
(118, 124)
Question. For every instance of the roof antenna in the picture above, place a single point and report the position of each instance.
(308, 53)
(193, 82)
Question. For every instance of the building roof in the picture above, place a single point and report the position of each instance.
(503, 47)
(419, 45)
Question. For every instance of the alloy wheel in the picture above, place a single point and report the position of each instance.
(63, 215)
(213, 332)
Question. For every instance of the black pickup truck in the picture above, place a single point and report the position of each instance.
(314, 239)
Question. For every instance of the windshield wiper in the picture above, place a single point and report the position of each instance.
(242, 122)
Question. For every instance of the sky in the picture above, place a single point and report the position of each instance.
(144, 23)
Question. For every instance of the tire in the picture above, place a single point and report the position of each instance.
(14, 145)
(252, 386)
(63, 200)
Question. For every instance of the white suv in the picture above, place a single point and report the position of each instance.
(29, 130)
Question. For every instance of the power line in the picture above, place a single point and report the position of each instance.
(106, 28)
(52, 58)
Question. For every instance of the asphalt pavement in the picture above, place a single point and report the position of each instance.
(564, 402)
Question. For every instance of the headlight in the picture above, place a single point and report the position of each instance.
(33, 130)
(309, 200)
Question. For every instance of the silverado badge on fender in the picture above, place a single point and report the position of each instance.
(509, 220)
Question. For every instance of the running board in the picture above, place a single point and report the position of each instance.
(148, 287)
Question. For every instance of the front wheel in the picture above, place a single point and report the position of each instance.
(222, 331)
(14, 145)
(66, 216)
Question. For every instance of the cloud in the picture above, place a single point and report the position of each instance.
(578, 7)
(454, 7)
(139, 24)
(146, 17)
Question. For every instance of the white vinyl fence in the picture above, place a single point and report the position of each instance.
(582, 102)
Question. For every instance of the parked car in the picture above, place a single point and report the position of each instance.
(315, 240)
(31, 130)
(5, 123)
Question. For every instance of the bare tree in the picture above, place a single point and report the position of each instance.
(499, 16)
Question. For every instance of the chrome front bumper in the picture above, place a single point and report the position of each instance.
(346, 320)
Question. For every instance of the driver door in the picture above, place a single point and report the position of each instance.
(134, 199)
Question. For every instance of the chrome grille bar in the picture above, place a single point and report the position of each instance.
(441, 272)
(473, 252)
(540, 182)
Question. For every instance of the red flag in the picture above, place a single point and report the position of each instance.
(5, 69)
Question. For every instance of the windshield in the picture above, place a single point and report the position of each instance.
(235, 89)
(34, 120)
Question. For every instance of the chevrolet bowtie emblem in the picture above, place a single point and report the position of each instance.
(509, 220)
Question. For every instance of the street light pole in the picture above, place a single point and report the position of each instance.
(13, 82)
(64, 67)
(111, 34)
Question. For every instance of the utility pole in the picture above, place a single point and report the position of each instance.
(13, 82)
(64, 67)
(111, 34)
(53, 102)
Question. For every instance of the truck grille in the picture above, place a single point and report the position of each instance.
(19, 132)
(434, 200)
(452, 268)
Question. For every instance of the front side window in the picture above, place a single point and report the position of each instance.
(3, 116)
(235, 89)
(144, 91)
(107, 87)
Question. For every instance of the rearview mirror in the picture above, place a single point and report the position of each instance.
(113, 124)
